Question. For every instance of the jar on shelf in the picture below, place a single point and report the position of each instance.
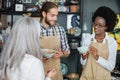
(74, 44)
(74, 8)
(77, 31)
(18, 5)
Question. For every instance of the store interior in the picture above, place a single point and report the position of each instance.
(73, 15)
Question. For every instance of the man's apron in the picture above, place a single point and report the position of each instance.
(52, 42)
(92, 70)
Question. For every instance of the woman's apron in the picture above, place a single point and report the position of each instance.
(92, 70)
(52, 42)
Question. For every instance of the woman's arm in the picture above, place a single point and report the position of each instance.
(85, 42)
(109, 64)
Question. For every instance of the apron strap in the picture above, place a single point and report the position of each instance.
(106, 41)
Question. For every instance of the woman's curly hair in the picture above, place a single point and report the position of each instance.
(109, 16)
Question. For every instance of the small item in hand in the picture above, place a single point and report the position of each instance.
(82, 49)
(48, 53)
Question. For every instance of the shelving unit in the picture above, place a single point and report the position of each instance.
(13, 13)
(73, 61)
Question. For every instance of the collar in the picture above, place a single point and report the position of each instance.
(42, 26)
(104, 40)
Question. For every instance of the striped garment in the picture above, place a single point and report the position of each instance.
(59, 30)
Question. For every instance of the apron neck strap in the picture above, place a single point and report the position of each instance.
(106, 41)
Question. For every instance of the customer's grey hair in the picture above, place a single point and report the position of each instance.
(23, 39)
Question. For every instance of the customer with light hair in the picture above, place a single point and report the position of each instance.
(21, 55)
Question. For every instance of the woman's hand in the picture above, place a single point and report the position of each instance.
(85, 55)
(94, 52)
(51, 73)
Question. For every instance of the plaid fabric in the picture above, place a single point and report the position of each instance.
(57, 30)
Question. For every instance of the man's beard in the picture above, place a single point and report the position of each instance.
(48, 22)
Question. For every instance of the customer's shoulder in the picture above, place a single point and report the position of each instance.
(30, 59)
(28, 63)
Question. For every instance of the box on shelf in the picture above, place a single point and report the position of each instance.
(19, 7)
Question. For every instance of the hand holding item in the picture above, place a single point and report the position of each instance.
(51, 73)
(85, 55)
(94, 52)
(58, 54)
(46, 59)
(84, 51)
(48, 53)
